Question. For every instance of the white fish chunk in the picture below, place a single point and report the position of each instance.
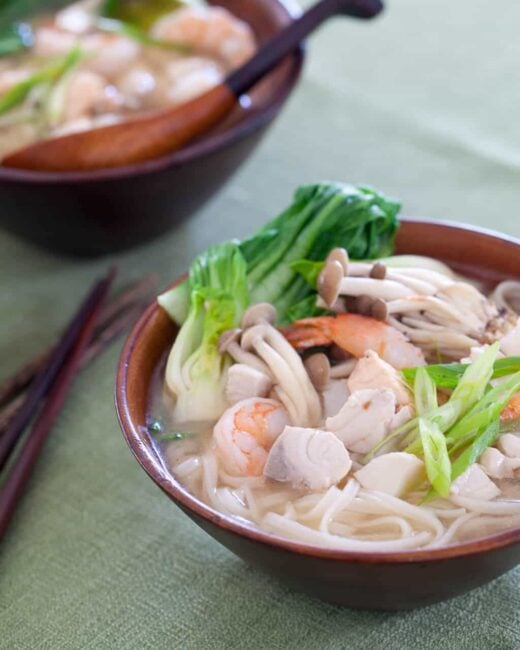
(395, 473)
(474, 484)
(373, 372)
(364, 419)
(510, 343)
(334, 396)
(497, 465)
(307, 458)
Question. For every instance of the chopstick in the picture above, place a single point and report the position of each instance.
(115, 318)
(55, 379)
(133, 294)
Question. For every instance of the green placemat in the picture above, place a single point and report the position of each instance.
(423, 105)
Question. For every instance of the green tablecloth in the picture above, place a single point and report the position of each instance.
(422, 105)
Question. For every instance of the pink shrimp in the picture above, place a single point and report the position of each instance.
(356, 335)
(211, 30)
(246, 432)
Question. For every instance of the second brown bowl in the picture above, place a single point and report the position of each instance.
(94, 213)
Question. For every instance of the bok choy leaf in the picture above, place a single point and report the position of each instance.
(321, 217)
(218, 295)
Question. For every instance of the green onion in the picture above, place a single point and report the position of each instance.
(447, 375)
(485, 411)
(425, 392)
(137, 34)
(18, 93)
(436, 458)
(472, 453)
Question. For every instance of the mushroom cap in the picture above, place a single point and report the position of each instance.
(262, 312)
(251, 334)
(318, 369)
(329, 281)
(339, 255)
(378, 271)
(227, 338)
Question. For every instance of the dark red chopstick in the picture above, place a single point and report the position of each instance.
(49, 372)
(76, 342)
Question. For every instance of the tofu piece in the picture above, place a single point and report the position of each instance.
(364, 419)
(244, 382)
(307, 458)
(373, 372)
(509, 445)
(474, 484)
(495, 464)
(510, 343)
(334, 396)
(395, 473)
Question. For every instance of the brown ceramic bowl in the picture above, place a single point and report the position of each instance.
(93, 213)
(376, 581)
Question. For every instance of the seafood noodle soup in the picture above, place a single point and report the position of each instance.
(326, 390)
(96, 63)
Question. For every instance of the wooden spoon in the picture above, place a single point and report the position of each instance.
(149, 136)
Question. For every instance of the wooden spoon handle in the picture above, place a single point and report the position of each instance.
(272, 52)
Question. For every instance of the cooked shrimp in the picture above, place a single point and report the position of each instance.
(512, 410)
(246, 432)
(191, 77)
(355, 334)
(212, 30)
(89, 94)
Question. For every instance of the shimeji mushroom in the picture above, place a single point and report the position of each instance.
(334, 391)
(230, 342)
(307, 458)
(435, 311)
(292, 383)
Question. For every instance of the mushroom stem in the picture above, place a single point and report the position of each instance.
(296, 390)
(387, 289)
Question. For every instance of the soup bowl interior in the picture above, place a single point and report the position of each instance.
(103, 211)
(396, 580)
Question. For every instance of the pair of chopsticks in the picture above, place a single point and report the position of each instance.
(38, 390)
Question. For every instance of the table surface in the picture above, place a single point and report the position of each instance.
(421, 104)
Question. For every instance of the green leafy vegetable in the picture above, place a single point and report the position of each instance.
(218, 297)
(310, 271)
(16, 38)
(320, 218)
(436, 458)
(47, 75)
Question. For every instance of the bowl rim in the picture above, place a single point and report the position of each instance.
(250, 124)
(188, 502)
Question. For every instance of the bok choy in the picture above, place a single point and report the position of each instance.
(218, 295)
(321, 217)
